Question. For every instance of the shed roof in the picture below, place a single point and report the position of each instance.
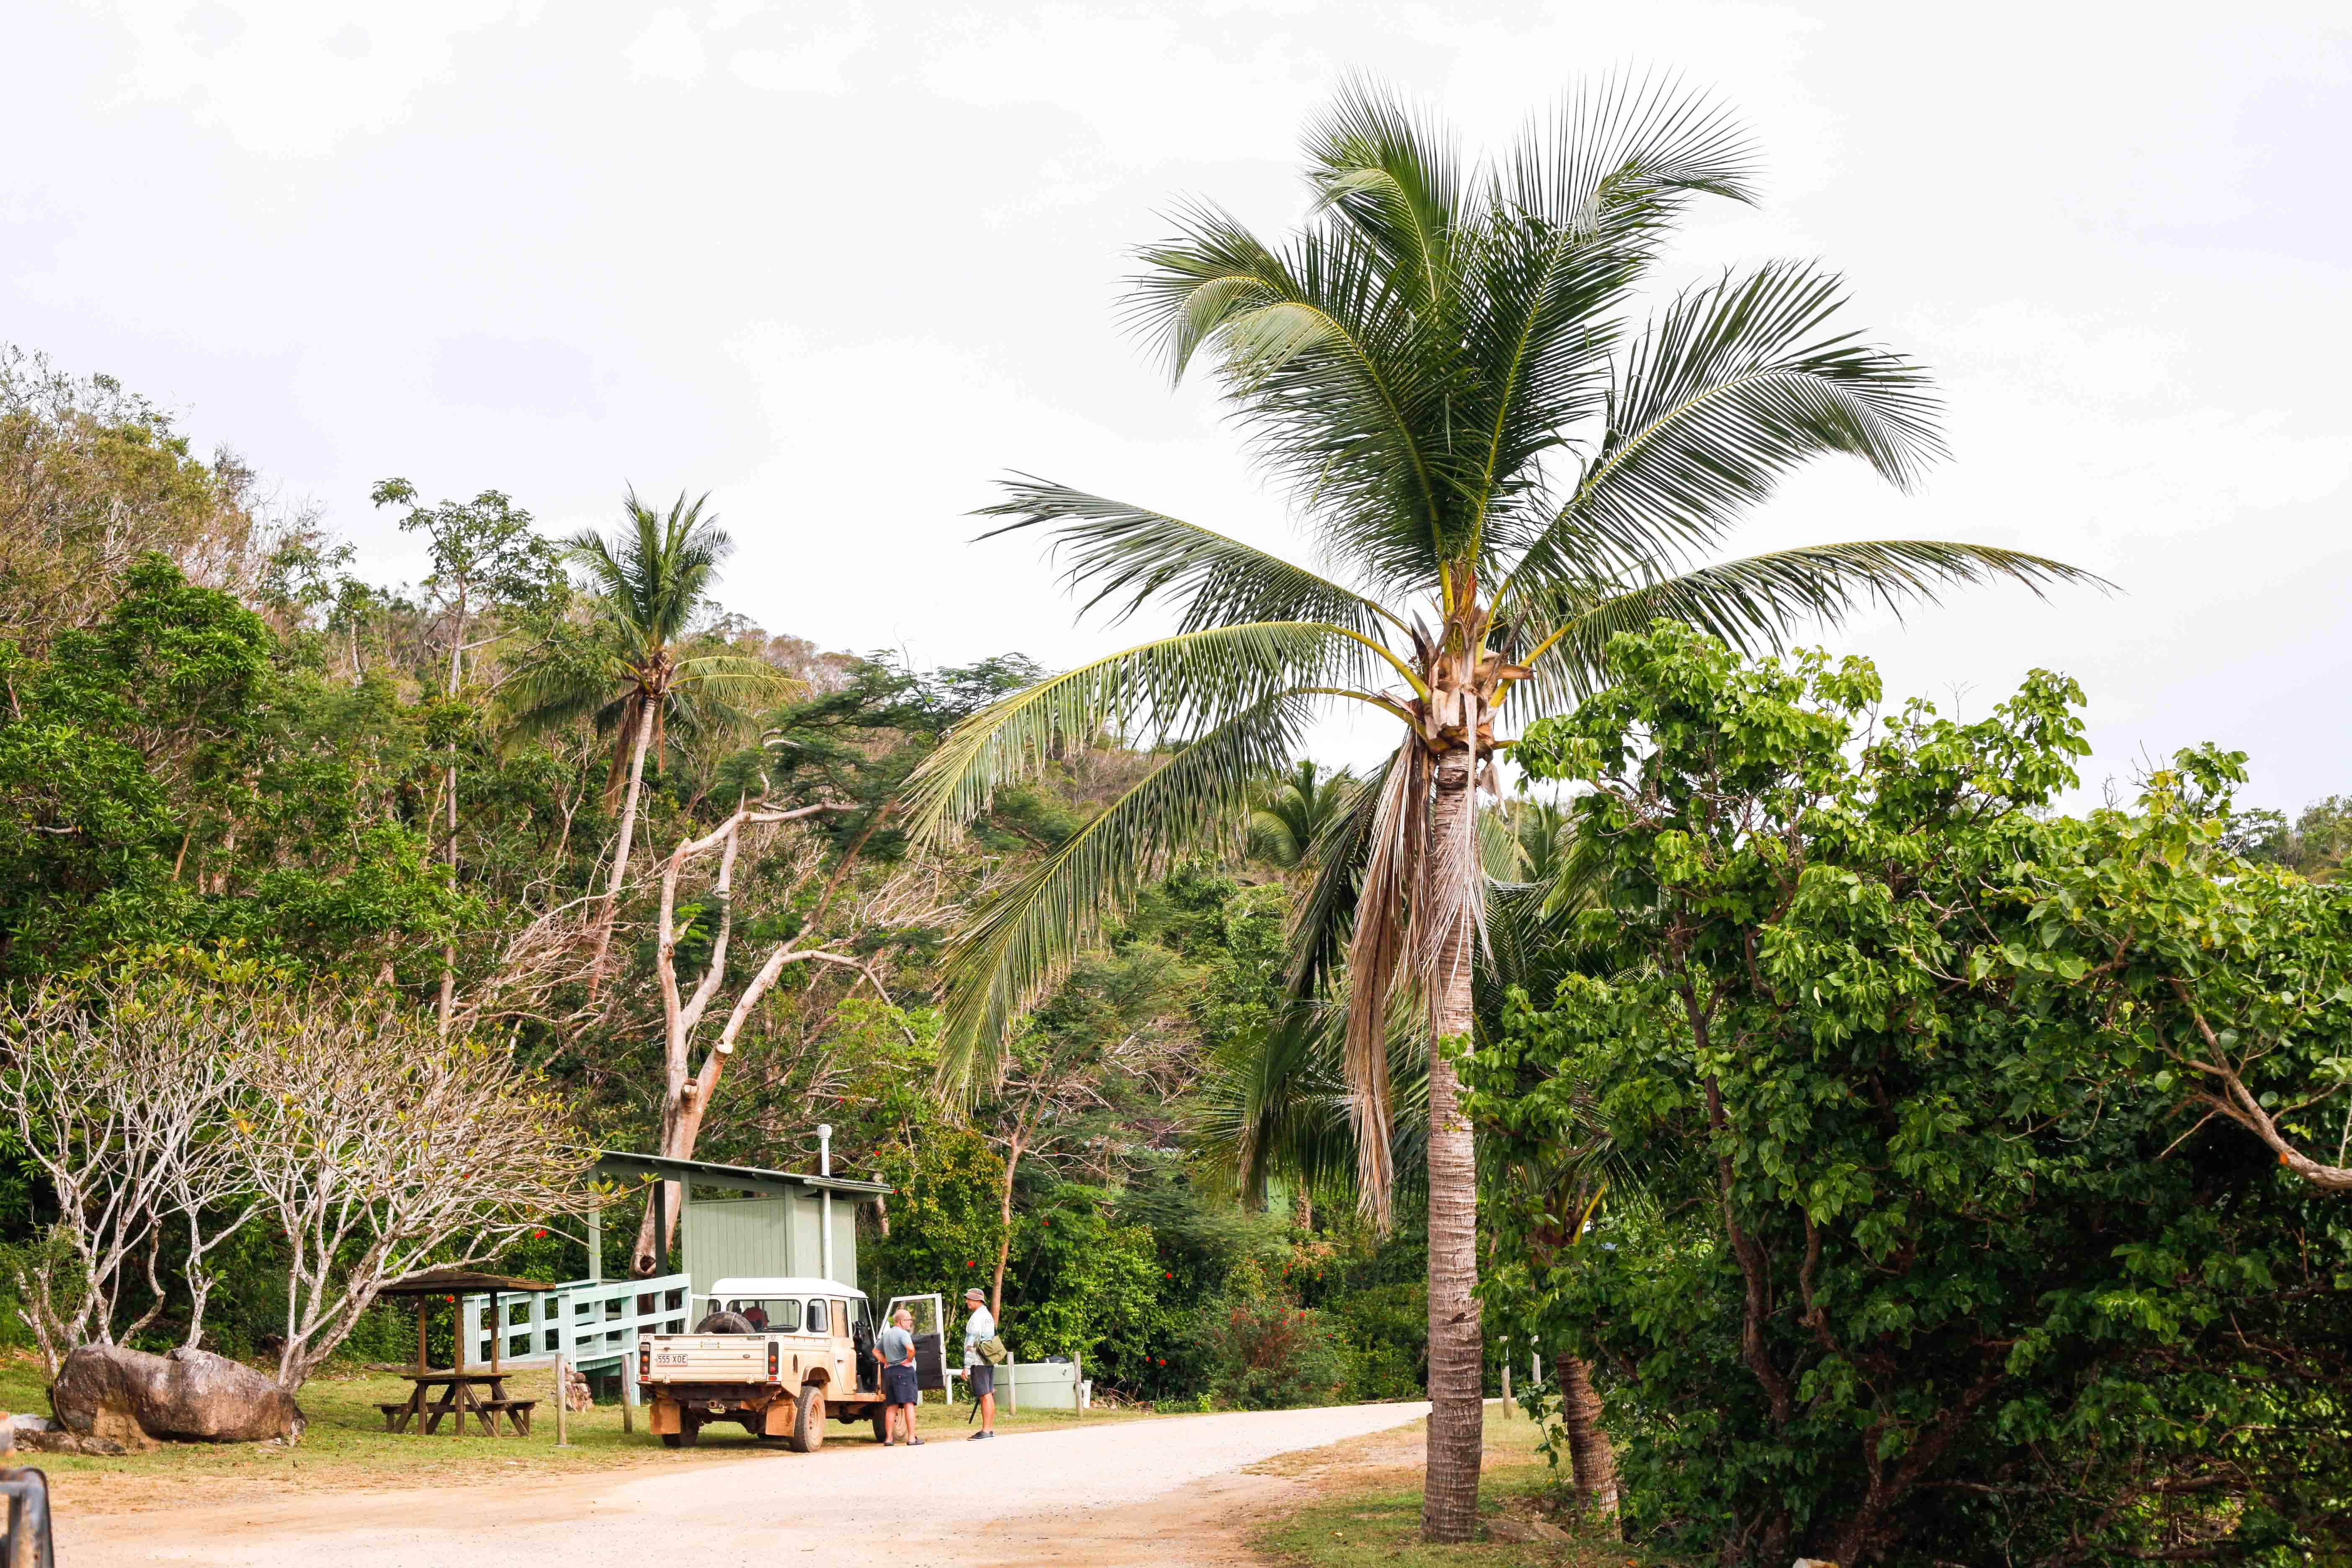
(742, 1178)
(461, 1282)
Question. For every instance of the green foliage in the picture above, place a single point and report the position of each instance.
(1911, 1264)
(92, 476)
(1088, 1285)
(167, 781)
(943, 1216)
(1268, 1352)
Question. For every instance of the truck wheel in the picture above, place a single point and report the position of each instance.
(689, 1430)
(882, 1424)
(808, 1420)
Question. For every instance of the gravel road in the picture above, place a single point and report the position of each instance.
(849, 1504)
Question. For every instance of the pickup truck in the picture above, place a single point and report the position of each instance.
(777, 1355)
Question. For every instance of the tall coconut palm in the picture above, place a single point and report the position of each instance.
(649, 590)
(1502, 471)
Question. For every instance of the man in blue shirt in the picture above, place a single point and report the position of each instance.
(895, 1347)
(978, 1370)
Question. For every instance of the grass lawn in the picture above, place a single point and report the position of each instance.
(1378, 1526)
(347, 1448)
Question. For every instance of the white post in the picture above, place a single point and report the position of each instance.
(824, 1206)
(1506, 1378)
(596, 1247)
(629, 1379)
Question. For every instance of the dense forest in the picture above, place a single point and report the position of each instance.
(229, 757)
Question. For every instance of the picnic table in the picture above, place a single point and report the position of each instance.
(481, 1394)
(461, 1393)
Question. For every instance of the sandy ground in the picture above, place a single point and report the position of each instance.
(1165, 1493)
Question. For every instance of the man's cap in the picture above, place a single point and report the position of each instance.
(975, 1294)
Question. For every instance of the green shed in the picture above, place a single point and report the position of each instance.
(769, 1223)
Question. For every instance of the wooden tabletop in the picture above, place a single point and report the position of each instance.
(430, 1376)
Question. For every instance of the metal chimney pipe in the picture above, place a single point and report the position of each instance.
(825, 1199)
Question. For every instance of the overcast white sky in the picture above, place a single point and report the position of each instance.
(843, 264)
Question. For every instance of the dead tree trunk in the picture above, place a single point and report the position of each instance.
(687, 1097)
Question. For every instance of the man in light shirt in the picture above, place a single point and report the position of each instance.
(978, 1371)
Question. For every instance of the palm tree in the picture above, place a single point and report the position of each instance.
(1294, 812)
(1501, 472)
(639, 663)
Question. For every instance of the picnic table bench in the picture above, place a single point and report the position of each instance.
(457, 1397)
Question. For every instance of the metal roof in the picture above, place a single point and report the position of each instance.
(742, 1178)
(746, 1287)
(460, 1282)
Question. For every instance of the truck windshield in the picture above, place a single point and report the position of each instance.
(769, 1314)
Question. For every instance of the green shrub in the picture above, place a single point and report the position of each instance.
(1268, 1352)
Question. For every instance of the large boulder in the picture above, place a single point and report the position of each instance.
(131, 1398)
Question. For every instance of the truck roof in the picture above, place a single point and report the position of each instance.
(757, 1287)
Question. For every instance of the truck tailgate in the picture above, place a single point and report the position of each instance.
(710, 1358)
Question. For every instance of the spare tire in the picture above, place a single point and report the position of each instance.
(724, 1324)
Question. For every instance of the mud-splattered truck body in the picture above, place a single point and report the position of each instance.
(778, 1355)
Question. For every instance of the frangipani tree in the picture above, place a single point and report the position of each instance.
(1502, 466)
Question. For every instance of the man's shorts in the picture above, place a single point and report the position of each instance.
(899, 1386)
(981, 1378)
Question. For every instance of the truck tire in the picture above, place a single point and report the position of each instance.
(689, 1431)
(808, 1420)
(882, 1425)
(724, 1324)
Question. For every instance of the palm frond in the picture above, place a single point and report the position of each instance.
(1150, 694)
(1626, 151)
(1730, 388)
(1116, 550)
(1322, 920)
(1756, 603)
(1396, 179)
(1331, 370)
(1025, 937)
(1583, 209)
(1378, 962)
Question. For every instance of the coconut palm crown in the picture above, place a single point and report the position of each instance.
(638, 663)
(1502, 462)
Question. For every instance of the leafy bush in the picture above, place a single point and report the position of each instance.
(1268, 1352)
(1918, 1268)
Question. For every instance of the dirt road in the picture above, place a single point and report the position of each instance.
(1144, 1491)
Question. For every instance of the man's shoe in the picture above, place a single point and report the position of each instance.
(914, 1442)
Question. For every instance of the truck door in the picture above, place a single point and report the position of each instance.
(845, 1365)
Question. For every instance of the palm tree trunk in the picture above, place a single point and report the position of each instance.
(620, 851)
(1457, 1417)
(1591, 1461)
